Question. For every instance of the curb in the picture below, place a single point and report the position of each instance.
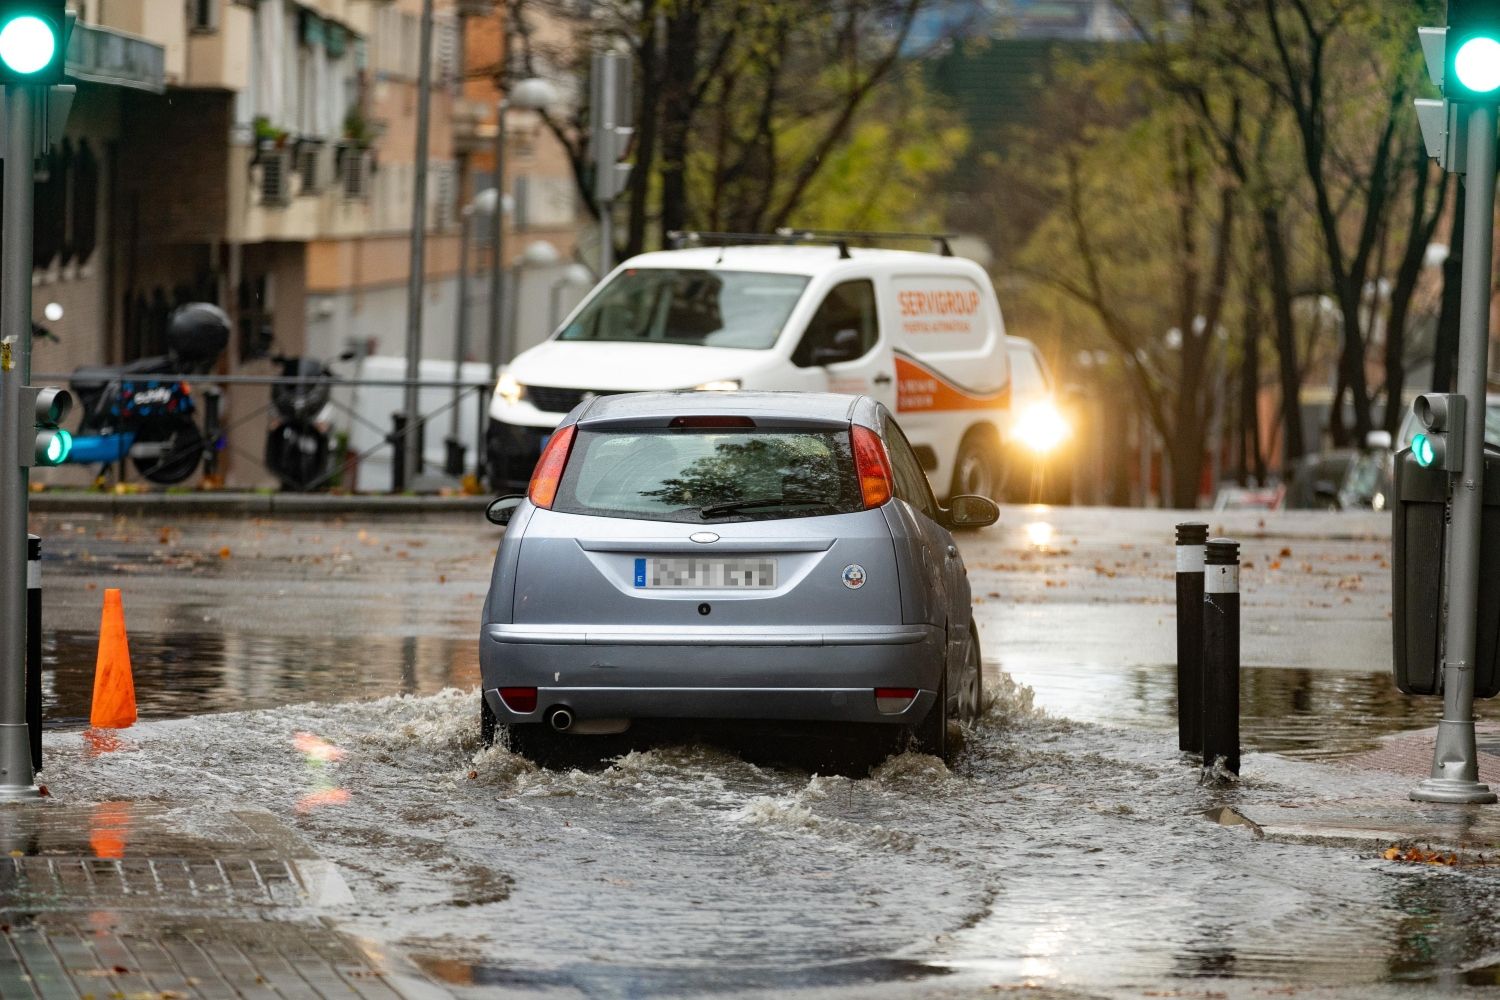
(253, 504)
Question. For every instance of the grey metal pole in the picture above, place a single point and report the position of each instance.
(1191, 537)
(17, 777)
(411, 445)
(34, 647)
(497, 246)
(606, 238)
(1455, 767)
(454, 464)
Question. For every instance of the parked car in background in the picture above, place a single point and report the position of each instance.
(920, 333)
(750, 555)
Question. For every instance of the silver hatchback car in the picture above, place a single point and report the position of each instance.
(729, 555)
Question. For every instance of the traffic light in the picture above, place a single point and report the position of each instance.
(45, 443)
(1440, 442)
(1471, 70)
(33, 41)
(610, 112)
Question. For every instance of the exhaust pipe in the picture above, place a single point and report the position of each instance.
(560, 719)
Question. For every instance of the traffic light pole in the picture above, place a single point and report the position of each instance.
(22, 117)
(1455, 769)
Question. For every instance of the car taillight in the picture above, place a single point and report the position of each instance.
(872, 466)
(549, 469)
(522, 700)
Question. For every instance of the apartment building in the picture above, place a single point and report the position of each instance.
(261, 154)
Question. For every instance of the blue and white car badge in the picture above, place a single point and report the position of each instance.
(854, 576)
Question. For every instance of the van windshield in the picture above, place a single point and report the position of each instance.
(744, 309)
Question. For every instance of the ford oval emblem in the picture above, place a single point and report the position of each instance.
(703, 537)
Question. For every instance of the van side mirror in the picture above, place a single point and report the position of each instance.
(501, 508)
(971, 512)
(844, 346)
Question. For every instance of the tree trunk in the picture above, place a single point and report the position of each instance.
(1247, 437)
(1419, 232)
(679, 70)
(1445, 353)
(647, 120)
(1287, 371)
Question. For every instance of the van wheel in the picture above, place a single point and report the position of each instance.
(977, 470)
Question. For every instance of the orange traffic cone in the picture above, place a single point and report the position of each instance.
(114, 690)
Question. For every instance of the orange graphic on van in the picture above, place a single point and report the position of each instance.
(920, 389)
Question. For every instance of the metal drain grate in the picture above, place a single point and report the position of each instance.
(29, 883)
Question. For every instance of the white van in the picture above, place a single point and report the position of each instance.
(920, 332)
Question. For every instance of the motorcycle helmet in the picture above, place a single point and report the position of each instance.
(197, 333)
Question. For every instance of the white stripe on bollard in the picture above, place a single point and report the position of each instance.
(1190, 558)
(33, 574)
(1221, 580)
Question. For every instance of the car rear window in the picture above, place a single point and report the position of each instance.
(698, 475)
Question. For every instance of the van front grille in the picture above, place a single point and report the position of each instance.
(551, 399)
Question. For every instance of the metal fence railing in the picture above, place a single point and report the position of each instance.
(220, 437)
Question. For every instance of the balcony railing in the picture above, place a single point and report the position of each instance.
(103, 55)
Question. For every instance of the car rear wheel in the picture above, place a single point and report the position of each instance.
(971, 682)
(487, 723)
(931, 734)
(537, 742)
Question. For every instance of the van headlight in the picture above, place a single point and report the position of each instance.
(508, 389)
(1040, 427)
(719, 385)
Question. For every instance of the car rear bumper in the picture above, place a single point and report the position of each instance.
(813, 675)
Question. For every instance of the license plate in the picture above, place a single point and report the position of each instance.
(705, 574)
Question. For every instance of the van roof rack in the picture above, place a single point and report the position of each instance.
(680, 238)
(941, 240)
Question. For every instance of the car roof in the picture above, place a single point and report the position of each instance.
(803, 260)
(817, 406)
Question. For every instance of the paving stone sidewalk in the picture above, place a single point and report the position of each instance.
(1390, 818)
(141, 901)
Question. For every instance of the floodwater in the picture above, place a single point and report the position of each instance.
(1053, 852)
(1064, 853)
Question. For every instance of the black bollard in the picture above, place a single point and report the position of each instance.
(1221, 656)
(397, 438)
(1191, 536)
(34, 647)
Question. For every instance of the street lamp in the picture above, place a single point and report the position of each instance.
(574, 276)
(531, 94)
(538, 253)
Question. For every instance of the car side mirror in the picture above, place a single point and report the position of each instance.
(971, 512)
(1327, 493)
(843, 347)
(501, 508)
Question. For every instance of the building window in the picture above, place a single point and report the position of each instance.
(205, 14)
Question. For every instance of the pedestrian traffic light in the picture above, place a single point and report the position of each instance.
(1440, 442)
(1471, 72)
(33, 41)
(610, 111)
(49, 443)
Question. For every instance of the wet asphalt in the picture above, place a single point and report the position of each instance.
(1064, 853)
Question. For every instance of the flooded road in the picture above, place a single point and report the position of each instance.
(1065, 853)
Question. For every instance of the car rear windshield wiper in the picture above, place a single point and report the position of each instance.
(736, 506)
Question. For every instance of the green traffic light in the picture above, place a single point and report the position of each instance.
(53, 446)
(1422, 450)
(1477, 64)
(27, 44)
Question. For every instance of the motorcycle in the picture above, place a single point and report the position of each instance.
(141, 411)
(297, 444)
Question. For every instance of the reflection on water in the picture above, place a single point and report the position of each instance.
(1313, 714)
(191, 674)
(613, 980)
